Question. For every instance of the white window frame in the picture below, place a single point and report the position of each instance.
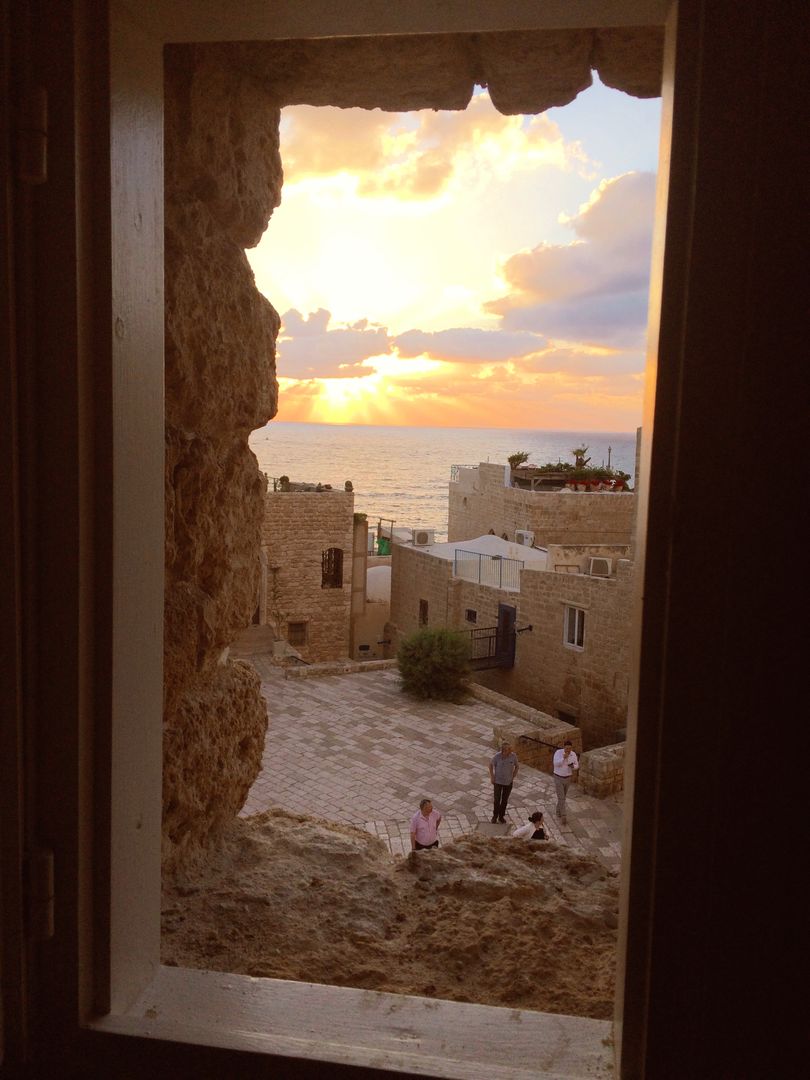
(124, 989)
(576, 616)
(138, 985)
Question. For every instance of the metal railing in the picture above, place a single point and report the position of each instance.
(487, 569)
(483, 643)
(456, 469)
(533, 738)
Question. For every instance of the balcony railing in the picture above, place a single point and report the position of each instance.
(487, 569)
(483, 647)
(456, 469)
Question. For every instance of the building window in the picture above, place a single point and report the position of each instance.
(575, 627)
(297, 633)
(332, 568)
(423, 612)
(470, 615)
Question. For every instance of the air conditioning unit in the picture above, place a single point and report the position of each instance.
(599, 567)
(422, 537)
(524, 537)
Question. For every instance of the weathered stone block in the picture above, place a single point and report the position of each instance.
(601, 771)
(212, 751)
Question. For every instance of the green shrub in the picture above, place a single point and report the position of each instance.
(435, 664)
(519, 458)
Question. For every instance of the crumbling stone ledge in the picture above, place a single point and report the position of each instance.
(337, 667)
(601, 771)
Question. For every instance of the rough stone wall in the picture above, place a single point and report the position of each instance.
(526, 71)
(298, 527)
(479, 501)
(417, 575)
(370, 633)
(601, 772)
(591, 684)
(222, 181)
(563, 557)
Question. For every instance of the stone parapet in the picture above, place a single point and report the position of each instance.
(601, 772)
(337, 667)
(222, 180)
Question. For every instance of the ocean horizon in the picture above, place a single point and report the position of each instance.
(402, 473)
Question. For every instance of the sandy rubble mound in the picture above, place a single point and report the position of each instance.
(489, 920)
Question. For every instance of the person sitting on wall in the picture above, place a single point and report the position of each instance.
(534, 830)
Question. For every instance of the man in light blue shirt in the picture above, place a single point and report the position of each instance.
(503, 768)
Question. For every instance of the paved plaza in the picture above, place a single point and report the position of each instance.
(354, 748)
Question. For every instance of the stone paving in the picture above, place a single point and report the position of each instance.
(354, 748)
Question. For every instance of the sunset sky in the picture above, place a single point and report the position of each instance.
(464, 269)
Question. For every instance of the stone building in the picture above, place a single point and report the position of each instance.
(320, 589)
(574, 662)
(308, 565)
(482, 499)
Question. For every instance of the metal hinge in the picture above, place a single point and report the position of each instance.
(40, 894)
(32, 136)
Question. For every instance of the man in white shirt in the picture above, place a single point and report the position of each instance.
(565, 762)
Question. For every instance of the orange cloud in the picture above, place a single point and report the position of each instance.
(416, 155)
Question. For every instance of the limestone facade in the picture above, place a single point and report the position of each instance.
(586, 686)
(220, 385)
(303, 599)
(480, 501)
(601, 772)
(525, 71)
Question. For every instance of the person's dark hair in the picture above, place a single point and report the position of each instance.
(536, 816)
(568, 742)
(422, 802)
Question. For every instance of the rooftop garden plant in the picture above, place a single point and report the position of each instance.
(520, 457)
(581, 472)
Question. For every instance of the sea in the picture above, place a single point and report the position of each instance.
(401, 474)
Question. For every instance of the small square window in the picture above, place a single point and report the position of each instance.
(423, 612)
(574, 627)
(470, 615)
(297, 633)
